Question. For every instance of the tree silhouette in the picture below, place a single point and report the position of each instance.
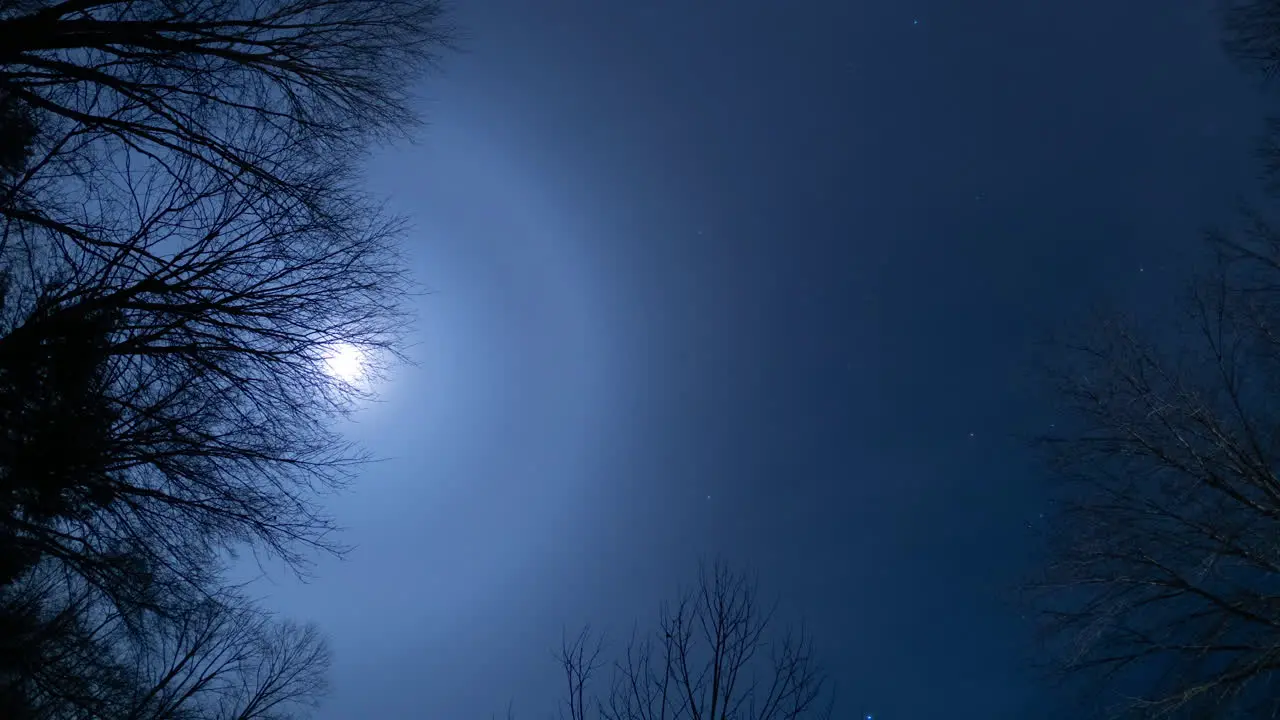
(221, 659)
(17, 133)
(183, 242)
(1165, 579)
(1162, 584)
(713, 655)
(190, 210)
(246, 89)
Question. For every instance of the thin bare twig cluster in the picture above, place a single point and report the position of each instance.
(714, 655)
(223, 658)
(1164, 582)
(1165, 578)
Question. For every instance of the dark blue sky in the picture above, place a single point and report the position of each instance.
(792, 256)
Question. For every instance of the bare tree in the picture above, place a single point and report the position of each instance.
(183, 243)
(52, 660)
(1165, 580)
(242, 87)
(222, 659)
(713, 656)
(226, 662)
(579, 664)
(1163, 583)
(189, 213)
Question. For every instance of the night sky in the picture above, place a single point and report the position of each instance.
(762, 280)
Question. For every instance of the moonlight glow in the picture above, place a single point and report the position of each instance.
(346, 362)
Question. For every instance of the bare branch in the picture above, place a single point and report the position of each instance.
(1164, 581)
(711, 657)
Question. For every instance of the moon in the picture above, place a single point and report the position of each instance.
(345, 362)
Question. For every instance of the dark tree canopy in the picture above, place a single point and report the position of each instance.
(222, 658)
(183, 243)
(241, 86)
(17, 135)
(189, 206)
